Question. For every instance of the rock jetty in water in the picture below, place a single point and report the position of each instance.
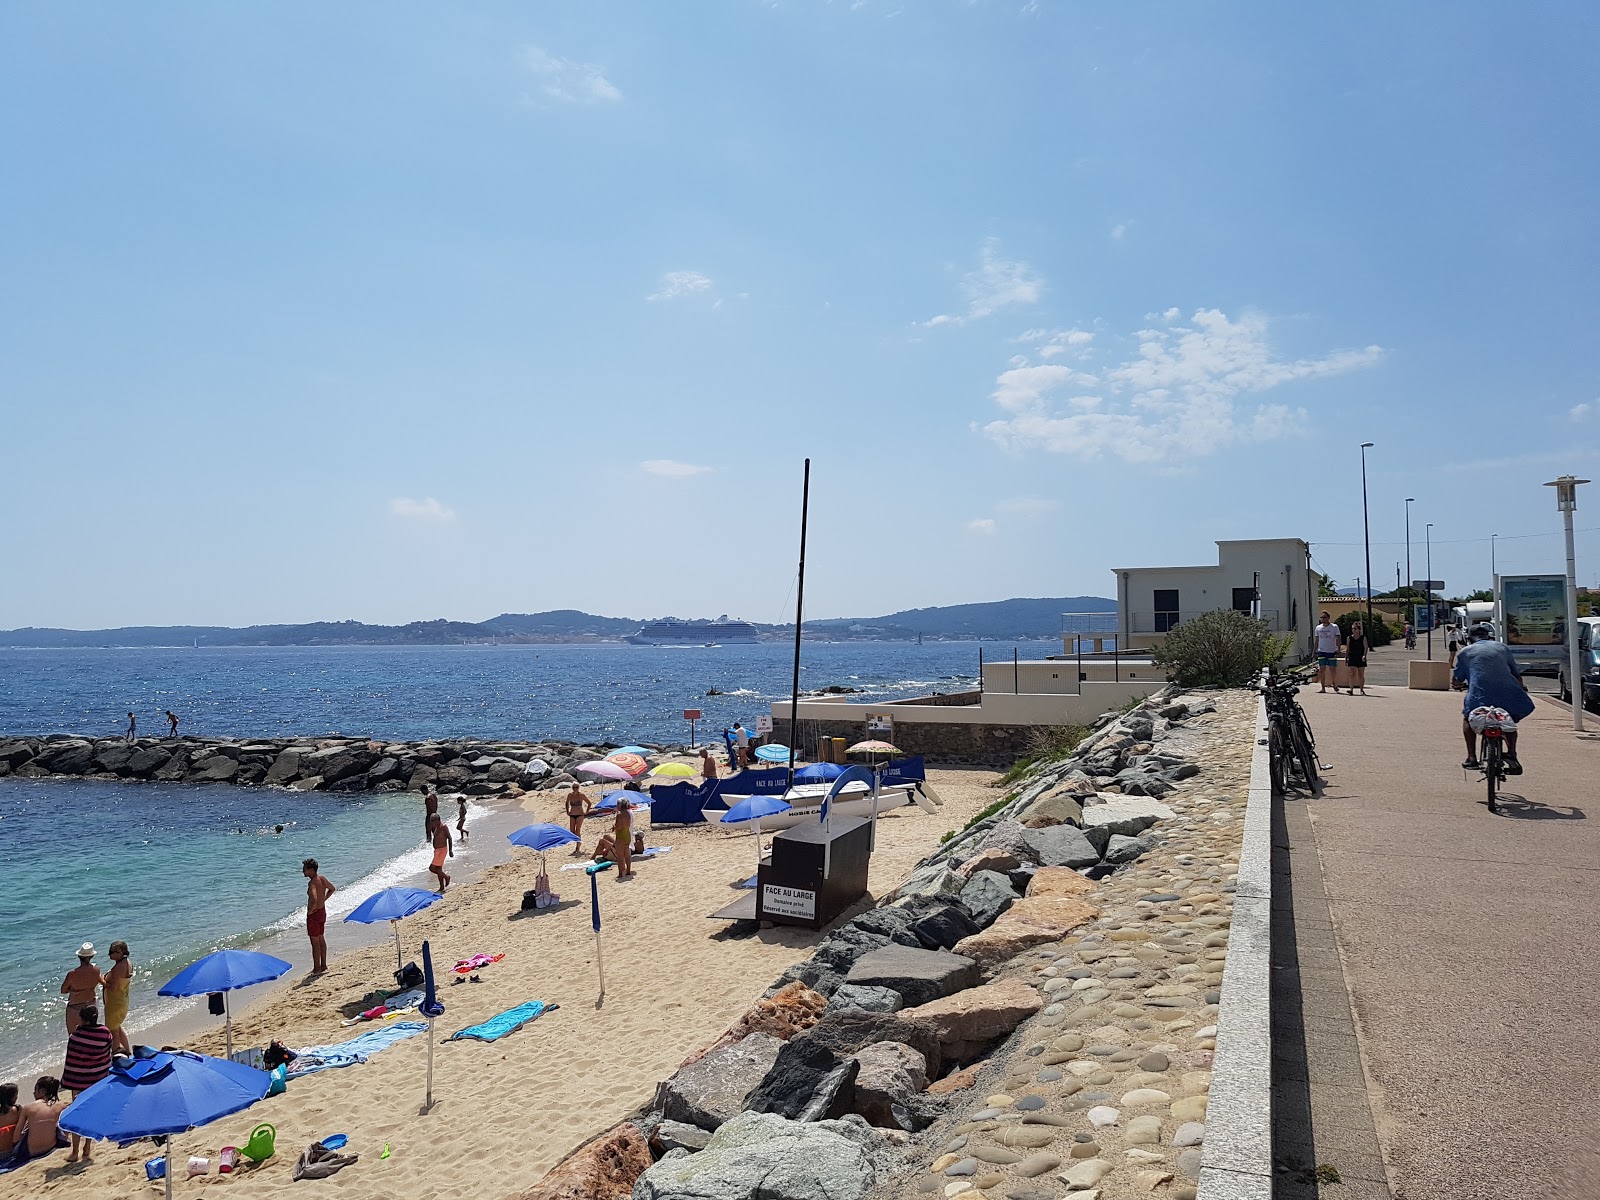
(330, 764)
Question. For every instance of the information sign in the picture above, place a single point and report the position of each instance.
(789, 902)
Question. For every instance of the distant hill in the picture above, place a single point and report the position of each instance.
(1020, 619)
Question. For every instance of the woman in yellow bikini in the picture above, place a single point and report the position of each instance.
(118, 981)
(623, 835)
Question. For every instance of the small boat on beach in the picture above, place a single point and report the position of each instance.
(854, 800)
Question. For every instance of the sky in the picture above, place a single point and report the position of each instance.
(403, 311)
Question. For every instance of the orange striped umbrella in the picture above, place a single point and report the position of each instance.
(631, 763)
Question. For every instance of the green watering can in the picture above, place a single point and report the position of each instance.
(263, 1139)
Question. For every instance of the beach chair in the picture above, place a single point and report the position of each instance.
(263, 1141)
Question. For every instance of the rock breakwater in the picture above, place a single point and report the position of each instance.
(331, 764)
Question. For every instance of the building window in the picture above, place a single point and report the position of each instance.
(1243, 598)
(1166, 609)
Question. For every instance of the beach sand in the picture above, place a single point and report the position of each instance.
(506, 1112)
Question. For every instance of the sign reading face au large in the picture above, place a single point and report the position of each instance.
(789, 902)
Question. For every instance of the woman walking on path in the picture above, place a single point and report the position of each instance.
(1355, 657)
(117, 982)
(88, 1062)
(577, 810)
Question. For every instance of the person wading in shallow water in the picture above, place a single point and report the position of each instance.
(443, 847)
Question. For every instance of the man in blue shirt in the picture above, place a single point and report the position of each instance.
(1490, 676)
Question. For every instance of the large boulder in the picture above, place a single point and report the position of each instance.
(285, 767)
(385, 769)
(16, 751)
(889, 1075)
(1143, 783)
(1010, 837)
(146, 761)
(791, 1009)
(918, 975)
(605, 1169)
(891, 922)
(847, 1030)
(944, 926)
(759, 1156)
(175, 768)
(338, 762)
(1059, 881)
(1058, 808)
(934, 879)
(807, 1080)
(987, 895)
(113, 756)
(869, 999)
(1061, 846)
(1127, 815)
(1122, 849)
(214, 768)
(970, 1020)
(714, 1088)
(505, 772)
(1031, 921)
(71, 757)
(1001, 861)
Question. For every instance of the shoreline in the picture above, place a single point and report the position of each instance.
(674, 980)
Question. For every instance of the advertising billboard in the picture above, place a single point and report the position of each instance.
(1534, 608)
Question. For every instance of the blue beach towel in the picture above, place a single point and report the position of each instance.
(356, 1050)
(509, 1021)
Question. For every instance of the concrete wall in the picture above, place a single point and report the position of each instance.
(1060, 676)
(1288, 589)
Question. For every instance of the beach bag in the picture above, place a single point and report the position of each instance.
(280, 1080)
(409, 976)
(1488, 717)
(215, 1004)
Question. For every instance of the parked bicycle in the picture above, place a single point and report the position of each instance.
(1292, 750)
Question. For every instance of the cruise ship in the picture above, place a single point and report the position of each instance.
(670, 631)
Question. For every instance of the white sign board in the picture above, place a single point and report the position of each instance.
(763, 725)
(788, 902)
(1534, 615)
(880, 725)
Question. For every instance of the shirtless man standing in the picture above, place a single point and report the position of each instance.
(443, 847)
(37, 1125)
(81, 984)
(318, 889)
(708, 765)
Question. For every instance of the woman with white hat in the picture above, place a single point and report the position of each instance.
(81, 984)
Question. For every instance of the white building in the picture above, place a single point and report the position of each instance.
(1153, 600)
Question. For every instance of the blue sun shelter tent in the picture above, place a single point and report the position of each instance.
(393, 905)
(157, 1093)
(224, 971)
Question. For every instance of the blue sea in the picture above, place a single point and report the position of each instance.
(178, 870)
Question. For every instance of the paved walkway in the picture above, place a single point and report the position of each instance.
(1470, 944)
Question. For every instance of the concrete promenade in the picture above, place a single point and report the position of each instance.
(1470, 946)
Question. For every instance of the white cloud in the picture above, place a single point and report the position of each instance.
(680, 283)
(1173, 400)
(997, 283)
(1052, 343)
(982, 525)
(1027, 505)
(1580, 412)
(1120, 228)
(426, 509)
(669, 468)
(568, 82)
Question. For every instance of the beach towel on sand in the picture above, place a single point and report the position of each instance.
(653, 852)
(509, 1021)
(356, 1050)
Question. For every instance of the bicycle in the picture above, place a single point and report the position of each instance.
(1290, 744)
(1491, 725)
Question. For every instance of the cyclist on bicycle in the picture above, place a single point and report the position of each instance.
(1489, 674)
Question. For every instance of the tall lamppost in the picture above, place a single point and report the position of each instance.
(1366, 529)
(1427, 533)
(1567, 502)
(1410, 500)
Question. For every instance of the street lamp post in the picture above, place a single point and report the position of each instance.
(1410, 500)
(1428, 534)
(1567, 501)
(1366, 529)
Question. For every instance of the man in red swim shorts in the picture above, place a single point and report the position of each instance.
(318, 889)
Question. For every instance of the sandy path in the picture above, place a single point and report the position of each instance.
(506, 1112)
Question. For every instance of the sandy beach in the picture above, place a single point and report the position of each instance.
(506, 1112)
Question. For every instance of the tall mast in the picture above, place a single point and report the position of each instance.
(799, 609)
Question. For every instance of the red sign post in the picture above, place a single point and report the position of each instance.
(691, 715)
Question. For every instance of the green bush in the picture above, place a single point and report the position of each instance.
(1224, 648)
(1378, 633)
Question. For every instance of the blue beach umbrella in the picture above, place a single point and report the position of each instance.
(753, 808)
(392, 905)
(161, 1094)
(641, 751)
(819, 773)
(608, 802)
(223, 971)
(544, 836)
(773, 753)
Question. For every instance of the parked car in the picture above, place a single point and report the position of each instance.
(1588, 663)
